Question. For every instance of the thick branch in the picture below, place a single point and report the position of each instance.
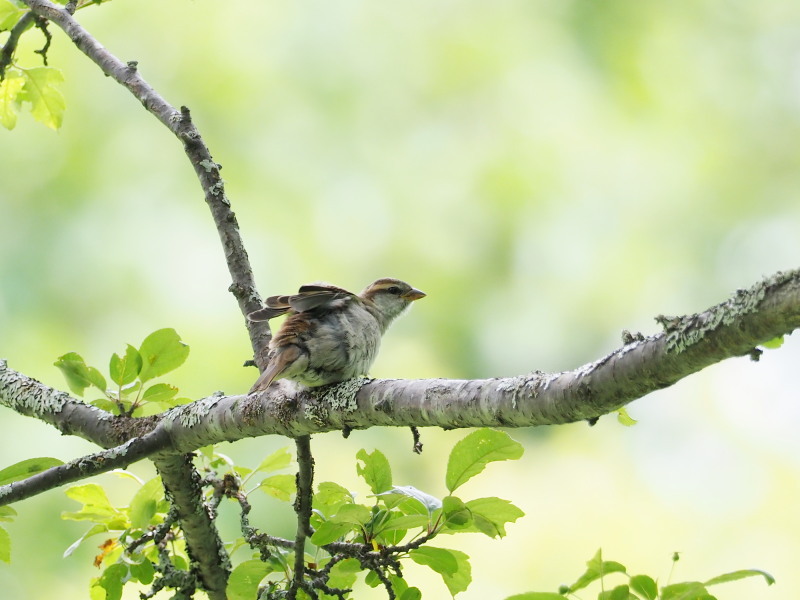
(734, 328)
(120, 457)
(182, 484)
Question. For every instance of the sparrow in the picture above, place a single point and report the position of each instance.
(330, 334)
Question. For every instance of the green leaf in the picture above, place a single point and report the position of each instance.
(596, 568)
(329, 531)
(162, 351)
(40, 90)
(645, 586)
(26, 468)
(145, 504)
(621, 592)
(343, 574)
(10, 89)
(330, 496)
(111, 581)
(357, 514)
(124, 370)
(471, 455)
(160, 392)
(625, 419)
(5, 546)
(375, 470)
(7, 514)
(79, 376)
(688, 590)
(741, 575)
(774, 343)
(96, 507)
(397, 521)
(413, 593)
(9, 15)
(456, 513)
(279, 486)
(143, 572)
(452, 565)
(93, 530)
(280, 459)
(490, 515)
(426, 501)
(244, 579)
(536, 596)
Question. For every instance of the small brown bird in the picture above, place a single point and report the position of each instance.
(330, 334)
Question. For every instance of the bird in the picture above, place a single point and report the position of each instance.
(330, 335)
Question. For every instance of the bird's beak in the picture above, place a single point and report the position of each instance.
(413, 294)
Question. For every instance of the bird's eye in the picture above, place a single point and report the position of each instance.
(393, 290)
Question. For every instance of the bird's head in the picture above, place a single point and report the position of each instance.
(390, 297)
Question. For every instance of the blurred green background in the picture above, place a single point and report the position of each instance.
(549, 172)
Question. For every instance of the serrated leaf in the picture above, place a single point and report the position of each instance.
(244, 579)
(47, 101)
(162, 351)
(145, 504)
(7, 514)
(280, 459)
(742, 574)
(625, 419)
(124, 369)
(375, 470)
(452, 565)
(159, 392)
(645, 586)
(426, 501)
(10, 89)
(26, 468)
(490, 515)
(471, 455)
(329, 531)
(596, 568)
(330, 496)
(279, 486)
(396, 522)
(5, 546)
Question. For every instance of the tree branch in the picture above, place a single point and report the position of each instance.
(205, 548)
(7, 53)
(767, 310)
(120, 457)
(207, 171)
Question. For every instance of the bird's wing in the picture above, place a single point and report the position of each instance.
(277, 365)
(309, 297)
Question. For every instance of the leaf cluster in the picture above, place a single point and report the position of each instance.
(161, 352)
(639, 587)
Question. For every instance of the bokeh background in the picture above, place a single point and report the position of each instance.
(549, 172)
